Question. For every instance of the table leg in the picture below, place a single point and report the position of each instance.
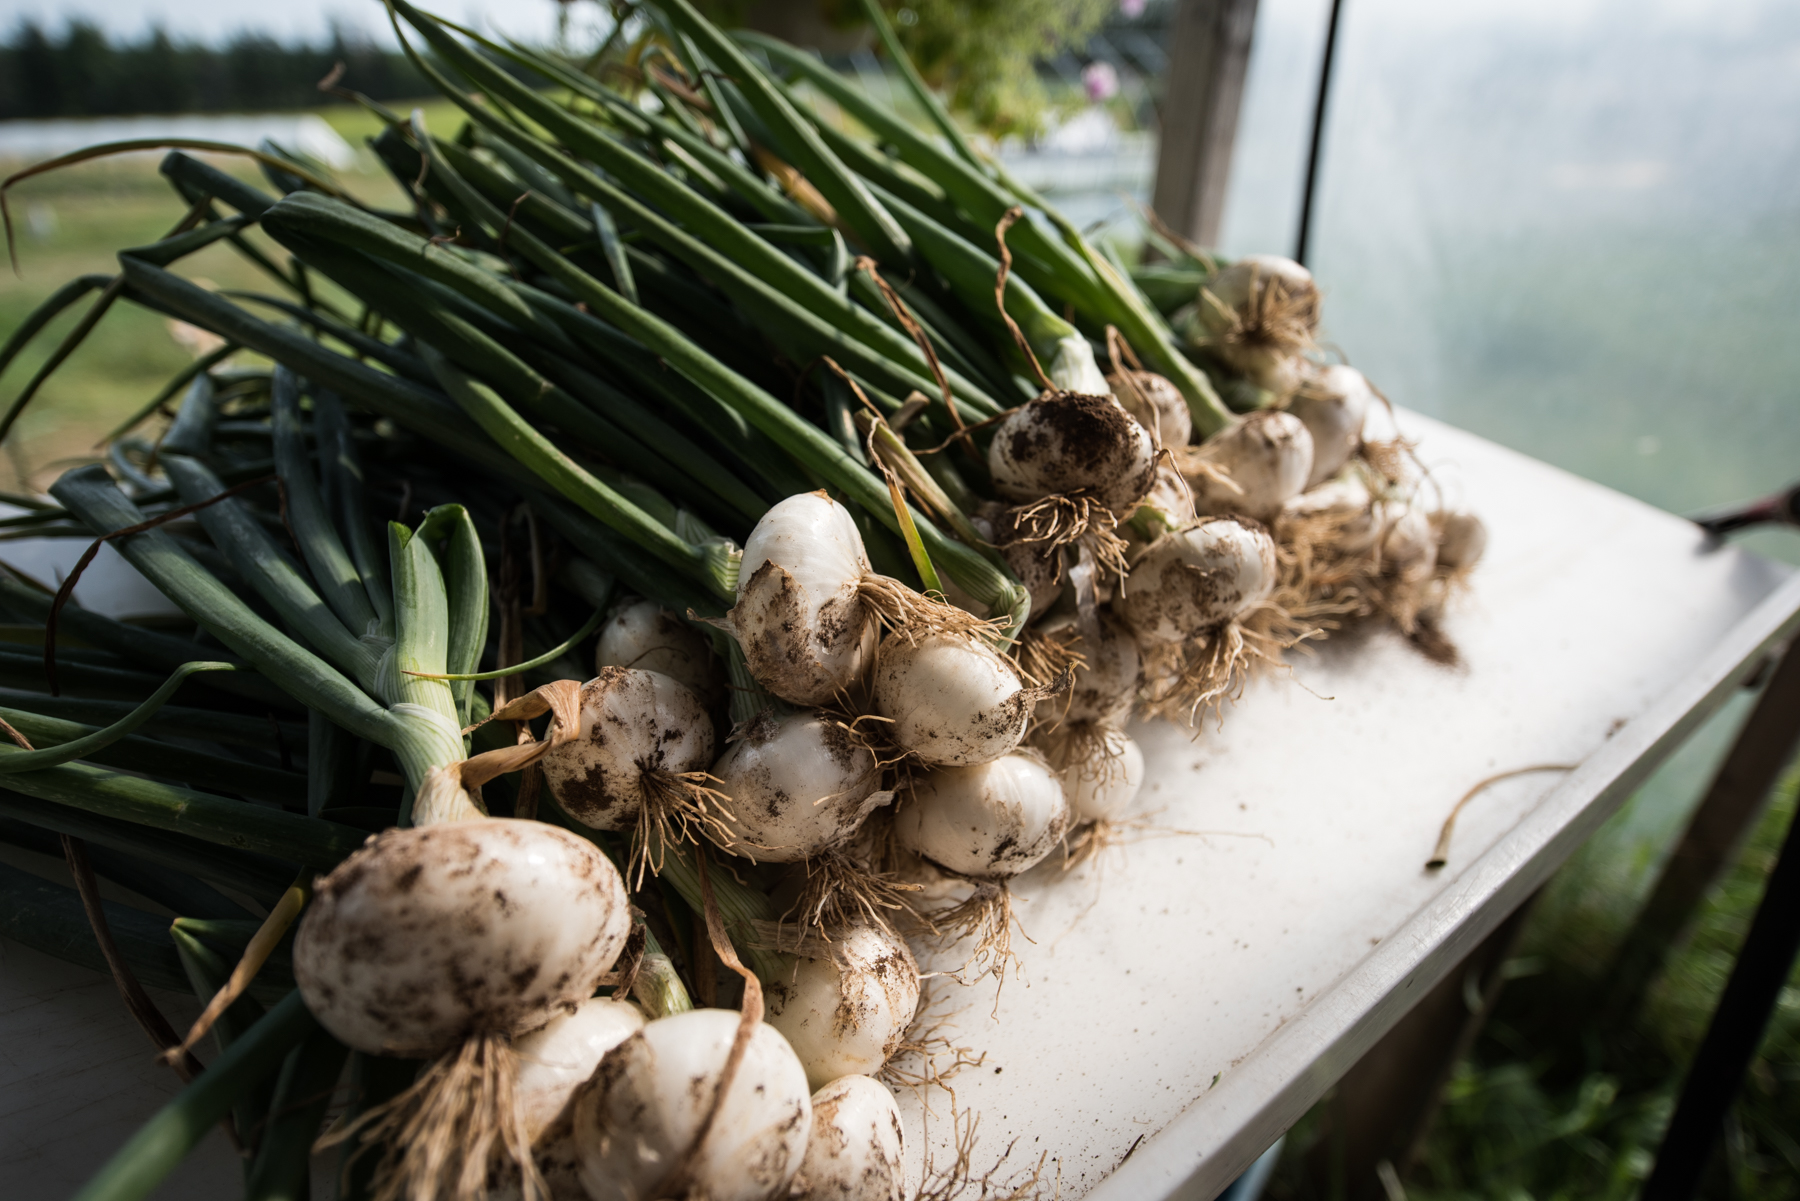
(1708, 846)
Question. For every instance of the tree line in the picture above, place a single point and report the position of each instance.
(82, 73)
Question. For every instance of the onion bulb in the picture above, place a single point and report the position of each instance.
(1100, 786)
(640, 732)
(806, 632)
(1103, 685)
(636, 1119)
(555, 1058)
(855, 1150)
(1067, 443)
(1191, 579)
(1409, 547)
(1461, 539)
(1333, 403)
(799, 785)
(951, 699)
(988, 821)
(1266, 460)
(848, 1011)
(1257, 315)
(428, 934)
(647, 637)
(1156, 403)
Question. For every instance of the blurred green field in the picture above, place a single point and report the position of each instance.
(72, 222)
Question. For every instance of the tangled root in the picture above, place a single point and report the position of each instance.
(1332, 573)
(442, 1134)
(954, 1180)
(1278, 318)
(927, 1056)
(987, 917)
(914, 615)
(677, 807)
(1041, 656)
(840, 889)
(1080, 745)
(1182, 681)
(1067, 519)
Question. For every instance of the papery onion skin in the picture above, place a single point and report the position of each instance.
(950, 699)
(856, 1149)
(429, 934)
(848, 1013)
(988, 821)
(632, 722)
(1462, 539)
(636, 1118)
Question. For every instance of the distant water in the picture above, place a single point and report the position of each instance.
(303, 133)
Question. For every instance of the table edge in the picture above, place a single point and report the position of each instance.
(1326, 1039)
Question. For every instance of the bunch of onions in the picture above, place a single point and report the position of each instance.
(809, 607)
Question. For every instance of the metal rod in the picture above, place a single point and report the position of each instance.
(1303, 243)
(1735, 1032)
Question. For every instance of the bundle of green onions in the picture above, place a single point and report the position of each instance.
(807, 436)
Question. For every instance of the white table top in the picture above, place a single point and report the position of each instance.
(1190, 996)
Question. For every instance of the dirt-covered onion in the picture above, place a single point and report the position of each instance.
(806, 632)
(1258, 315)
(1266, 459)
(1103, 685)
(1070, 443)
(989, 821)
(647, 637)
(847, 1011)
(636, 1119)
(405, 949)
(640, 732)
(799, 785)
(1333, 402)
(555, 1058)
(857, 1142)
(1156, 403)
(951, 699)
(1191, 579)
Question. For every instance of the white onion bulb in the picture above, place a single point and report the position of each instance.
(849, 1012)
(988, 821)
(806, 633)
(429, 934)
(1409, 548)
(634, 725)
(1156, 403)
(1100, 786)
(647, 637)
(799, 785)
(1191, 579)
(856, 1148)
(555, 1058)
(1268, 457)
(1263, 310)
(636, 1119)
(951, 699)
(1069, 442)
(1105, 684)
(1462, 539)
(1333, 402)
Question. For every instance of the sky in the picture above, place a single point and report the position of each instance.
(214, 21)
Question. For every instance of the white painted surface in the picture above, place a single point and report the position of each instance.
(1267, 956)
(1235, 977)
